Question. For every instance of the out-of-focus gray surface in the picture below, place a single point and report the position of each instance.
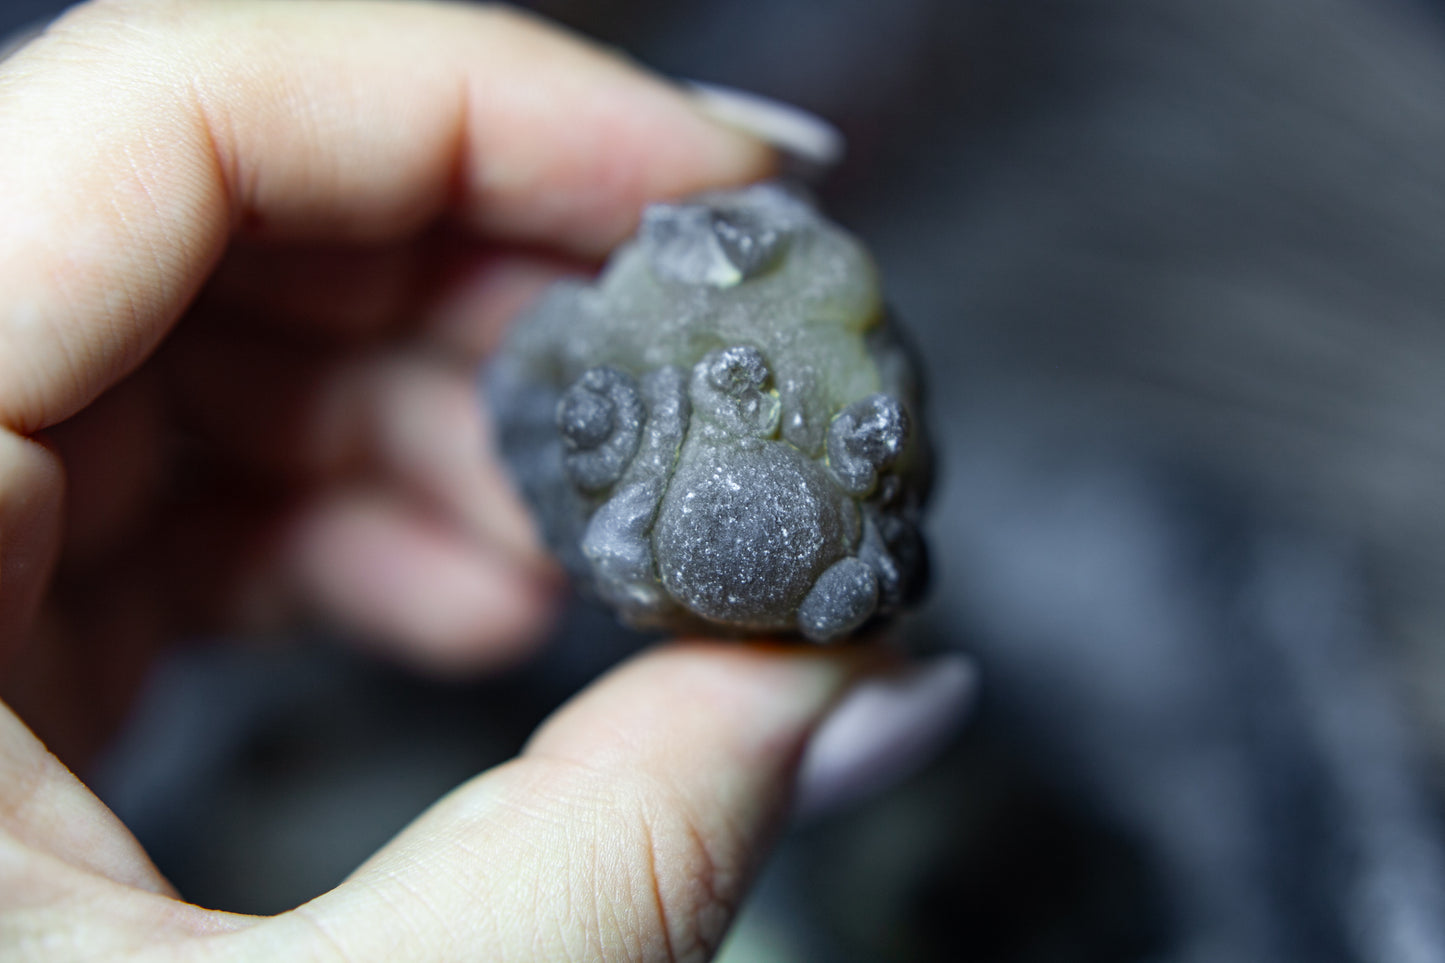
(1177, 268)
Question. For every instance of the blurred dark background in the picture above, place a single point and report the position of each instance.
(1179, 270)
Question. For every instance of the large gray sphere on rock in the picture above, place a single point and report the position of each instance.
(723, 433)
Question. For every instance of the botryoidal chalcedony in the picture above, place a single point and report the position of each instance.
(723, 432)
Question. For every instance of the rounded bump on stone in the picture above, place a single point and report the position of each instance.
(864, 439)
(742, 535)
(732, 388)
(840, 601)
(600, 418)
(714, 246)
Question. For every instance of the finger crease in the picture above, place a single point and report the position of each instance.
(313, 923)
(223, 169)
(664, 924)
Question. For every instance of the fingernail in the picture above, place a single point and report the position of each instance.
(885, 729)
(804, 136)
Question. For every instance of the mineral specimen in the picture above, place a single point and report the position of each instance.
(723, 433)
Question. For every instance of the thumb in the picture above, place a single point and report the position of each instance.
(629, 829)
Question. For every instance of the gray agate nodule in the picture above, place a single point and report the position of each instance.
(723, 432)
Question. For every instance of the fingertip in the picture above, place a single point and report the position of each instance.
(630, 827)
(633, 822)
(688, 701)
(578, 178)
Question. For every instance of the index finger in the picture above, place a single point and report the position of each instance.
(139, 137)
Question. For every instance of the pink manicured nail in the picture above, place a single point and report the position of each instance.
(885, 729)
(790, 129)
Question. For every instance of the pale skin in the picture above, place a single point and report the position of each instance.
(250, 257)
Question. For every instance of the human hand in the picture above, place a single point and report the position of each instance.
(344, 202)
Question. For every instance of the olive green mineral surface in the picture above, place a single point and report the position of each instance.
(722, 433)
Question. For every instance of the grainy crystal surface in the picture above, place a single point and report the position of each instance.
(723, 433)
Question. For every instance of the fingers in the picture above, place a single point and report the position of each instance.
(392, 519)
(629, 829)
(143, 134)
(406, 419)
(399, 579)
(447, 290)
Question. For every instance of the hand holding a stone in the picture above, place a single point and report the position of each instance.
(252, 256)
